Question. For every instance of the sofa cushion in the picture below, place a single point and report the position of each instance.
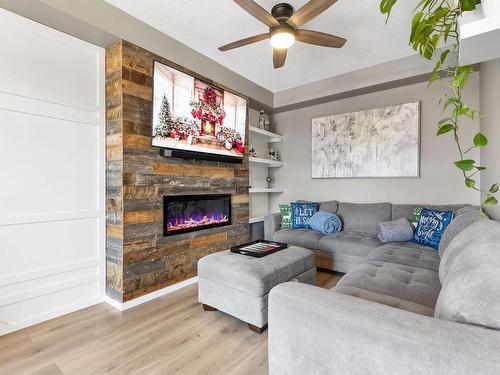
(408, 254)
(349, 243)
(417, 285)
(471, 277)
(329, 206)
(384, 299)
(256, 276)
(363, 217)
(406, 210)
(462, 220)
(307, 238)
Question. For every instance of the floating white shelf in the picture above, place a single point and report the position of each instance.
(264, 190)
(272, 137)
(256, 219)
(268, 162)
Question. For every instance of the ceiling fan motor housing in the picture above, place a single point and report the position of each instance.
(282, 12)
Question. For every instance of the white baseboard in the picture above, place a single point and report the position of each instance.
(122, 306)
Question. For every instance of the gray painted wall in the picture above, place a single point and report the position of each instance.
(440, 181)
(490, 126)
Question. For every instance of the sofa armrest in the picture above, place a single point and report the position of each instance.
(272, 223)
(317, 331)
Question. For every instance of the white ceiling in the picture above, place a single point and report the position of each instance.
(204, 25)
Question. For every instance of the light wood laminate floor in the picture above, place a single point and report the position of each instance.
(169, 335)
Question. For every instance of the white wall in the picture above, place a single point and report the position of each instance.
(440, 181)
(490, 126)
(51, 173)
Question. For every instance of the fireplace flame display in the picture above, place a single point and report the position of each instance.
(196, 220)
(188, 213)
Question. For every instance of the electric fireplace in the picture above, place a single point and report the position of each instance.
(187, 213)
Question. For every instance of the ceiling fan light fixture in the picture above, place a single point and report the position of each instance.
(282, 38)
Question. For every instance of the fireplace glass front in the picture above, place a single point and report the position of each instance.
(187, 213)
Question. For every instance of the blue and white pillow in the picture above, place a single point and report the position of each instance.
(431, 226)
(302, 213)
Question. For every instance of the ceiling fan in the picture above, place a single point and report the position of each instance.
(283, 26)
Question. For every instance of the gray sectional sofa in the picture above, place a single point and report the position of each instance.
(401, 308)
(341, 251)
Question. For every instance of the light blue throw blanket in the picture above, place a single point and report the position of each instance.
(325, 222)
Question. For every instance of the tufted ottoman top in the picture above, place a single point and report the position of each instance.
(255, 276)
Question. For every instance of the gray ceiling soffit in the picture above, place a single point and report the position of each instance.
(361, 91)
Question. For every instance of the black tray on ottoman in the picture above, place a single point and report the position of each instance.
(259, 248)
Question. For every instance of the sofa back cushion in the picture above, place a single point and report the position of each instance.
(406, 210)
(470, 275)
(329, 206)
(363, 217)
(463, 218)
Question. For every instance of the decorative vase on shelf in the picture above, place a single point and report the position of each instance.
(267, 125)
(269, 180)
(262, 119)
(273, 155)
(251, 152)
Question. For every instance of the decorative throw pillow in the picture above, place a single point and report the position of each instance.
(399, 230)
(302, 213)
(431, 226)
(416, 216)
(286, 216)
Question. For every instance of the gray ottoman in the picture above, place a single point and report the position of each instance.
(239, 285)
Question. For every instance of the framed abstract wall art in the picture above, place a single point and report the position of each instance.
(380, 142)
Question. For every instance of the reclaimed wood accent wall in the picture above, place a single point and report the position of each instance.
(139, 259)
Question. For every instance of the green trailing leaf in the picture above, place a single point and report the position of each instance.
(386, 7)
(453, 100)
(461, 77)
(480, 168)
(468, 5)
(446, 128)
(434, 77)
(494, 188)
(461, 110)
(470, 183)
(480, 140)
(465, 165)
(490, 201)
(443, 56)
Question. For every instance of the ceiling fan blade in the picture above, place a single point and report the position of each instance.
(279, 56)
(258, 12)
(310, 10)
(244, 42)
(319, 39)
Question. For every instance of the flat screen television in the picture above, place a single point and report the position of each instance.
(196, 118)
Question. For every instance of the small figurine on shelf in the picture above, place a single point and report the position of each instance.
(273, 155)
(229, 143)
(262, 119)
(269, 180)
(251, 152)
(267, 125)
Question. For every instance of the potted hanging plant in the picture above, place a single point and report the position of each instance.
(436, 23)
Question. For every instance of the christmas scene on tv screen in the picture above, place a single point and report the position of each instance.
(189, 114)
